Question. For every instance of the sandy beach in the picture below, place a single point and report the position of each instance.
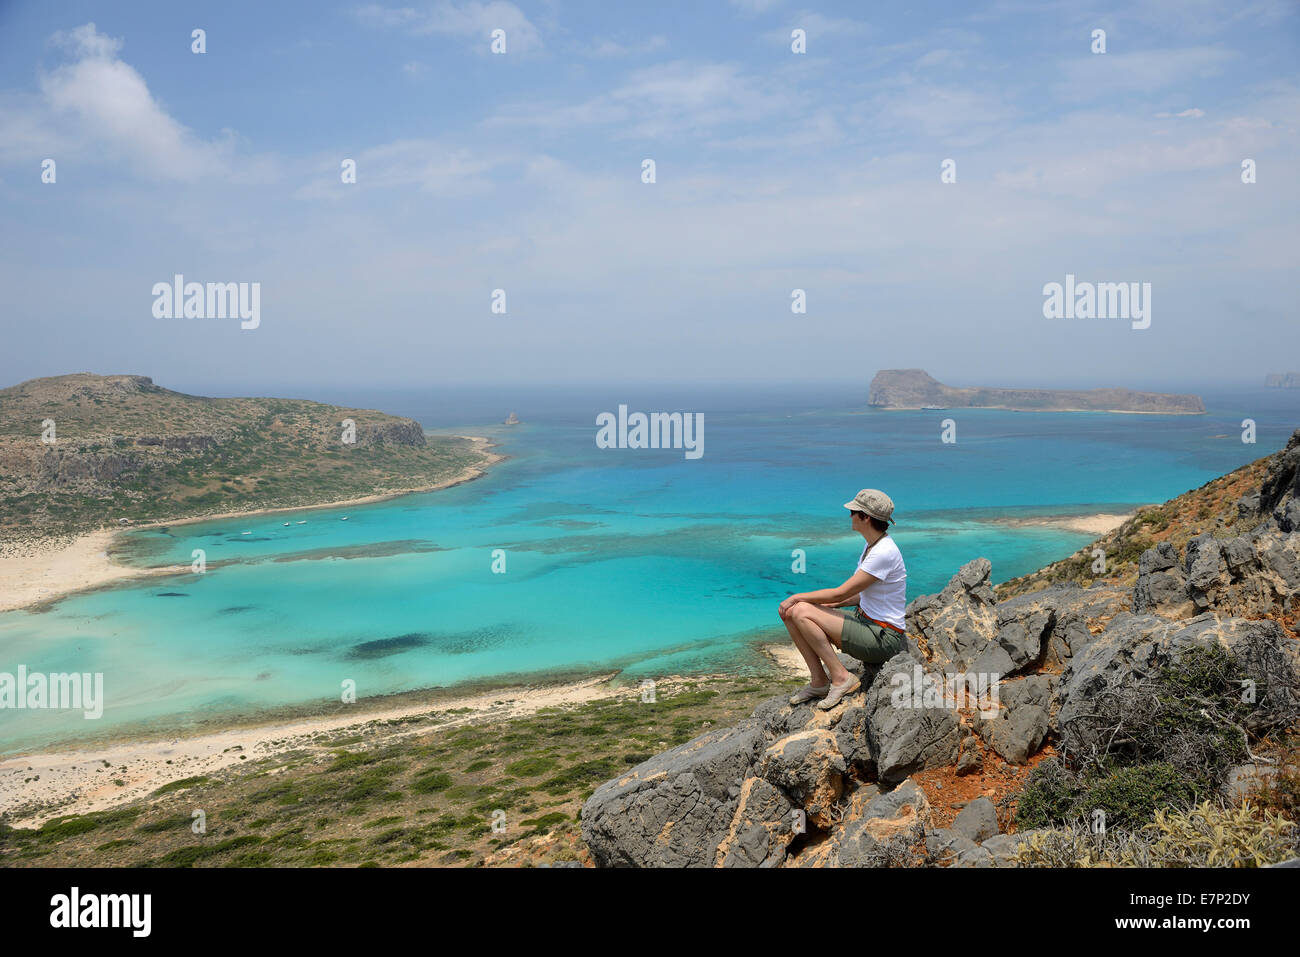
(37, 570)
(1099, 524)
(37, 787)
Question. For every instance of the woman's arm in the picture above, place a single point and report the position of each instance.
(832, 597)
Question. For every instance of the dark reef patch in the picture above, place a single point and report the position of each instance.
(383, 647)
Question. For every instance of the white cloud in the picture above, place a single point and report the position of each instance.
(960, 114)
(604, 47)
(427, 165)
(663, 100)
(1195, 113)
(101, 102)
(755, 6)
(472, 20)
(1138, 71)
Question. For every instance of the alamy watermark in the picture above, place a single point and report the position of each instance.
(1103, 300)
(57, 691)
(179, 299)
(920, 689)
(655, 430)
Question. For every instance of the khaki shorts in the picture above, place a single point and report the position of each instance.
(863, 639)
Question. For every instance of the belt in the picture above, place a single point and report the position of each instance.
(882, 624)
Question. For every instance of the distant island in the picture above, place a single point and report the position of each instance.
(84, 451)
(917, 389)
(1282, 380)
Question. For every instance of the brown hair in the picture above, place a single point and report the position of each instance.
(875, 523)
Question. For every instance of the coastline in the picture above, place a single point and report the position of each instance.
(38, 571)
(1099, 523)
(38, 786)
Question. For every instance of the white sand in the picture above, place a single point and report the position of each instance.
(1098, 524)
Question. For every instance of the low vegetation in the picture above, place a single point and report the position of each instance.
(386, 797)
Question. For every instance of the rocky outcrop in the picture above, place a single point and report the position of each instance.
(676, 809)
(1256, 574)
(917, 389)
(406, 432)
(1282, 380)
(796, 786)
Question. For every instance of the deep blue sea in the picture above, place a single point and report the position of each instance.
(639, 560)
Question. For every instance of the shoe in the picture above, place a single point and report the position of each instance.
(837, 692)
(809, 693)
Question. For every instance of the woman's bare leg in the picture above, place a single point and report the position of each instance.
(817, 676)
(821, 628)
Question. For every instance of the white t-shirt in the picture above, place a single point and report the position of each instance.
(884, 600)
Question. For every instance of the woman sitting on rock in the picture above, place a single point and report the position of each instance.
(873, 629)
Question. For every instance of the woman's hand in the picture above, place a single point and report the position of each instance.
(786, 605)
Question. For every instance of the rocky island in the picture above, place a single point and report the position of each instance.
(917, 389)
(1282, 380)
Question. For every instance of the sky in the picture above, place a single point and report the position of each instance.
(774, 171)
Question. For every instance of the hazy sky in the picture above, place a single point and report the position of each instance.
(775, 170)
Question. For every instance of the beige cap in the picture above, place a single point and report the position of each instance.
(874, 502)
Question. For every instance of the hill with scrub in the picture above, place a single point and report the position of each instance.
(82, 451)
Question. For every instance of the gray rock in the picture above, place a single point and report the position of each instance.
(1243, 778)
(944, 839)
(1205, 568)
(1022, 635)
(853, 738)
(969, 760)
(1281, 559)
(762, 828)
(993, 660)
(1239, 554)
(1003, 847)
(1161, 558)
(959, 622)
(1017, 734)
(904, 739)
(977, 821)
(673, 810)
(809, 768)
(1021, 725)
(861, 841)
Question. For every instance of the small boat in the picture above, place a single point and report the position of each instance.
(303, 522)
(345, 518)
(245, 533)
(286, 524)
